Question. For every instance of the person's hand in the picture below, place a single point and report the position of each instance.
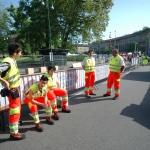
(6, 84)
(45, 105)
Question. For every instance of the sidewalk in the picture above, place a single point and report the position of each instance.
(97, 123)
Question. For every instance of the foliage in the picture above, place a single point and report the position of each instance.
(76, 58)
(69, 19)
(133, 47)
(5, 25)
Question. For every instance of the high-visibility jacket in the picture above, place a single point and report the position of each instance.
(13, 74)
(143, 57)
(52, 82)
(37, 92)
(89, 67)
(115, 64)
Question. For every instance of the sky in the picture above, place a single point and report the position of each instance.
(126, 17)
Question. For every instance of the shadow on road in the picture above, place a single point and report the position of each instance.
(136, 76)
(139, 113)
(82, 99)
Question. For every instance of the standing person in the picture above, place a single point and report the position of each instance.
(37, 95)
(55, 90)
(116, 67)
(10, 78)
(88, 65)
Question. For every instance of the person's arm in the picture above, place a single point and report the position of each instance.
(31, 96)
(58, 84)
(122, 64)
(84, 63)
(4, 67)
(122, 68)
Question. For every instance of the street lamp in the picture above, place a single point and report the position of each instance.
(49, 28)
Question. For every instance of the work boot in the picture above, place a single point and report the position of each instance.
(65, 109)
(55, 116)
(17, 136)
(49, 120)
(39, 127)
(87, 96)
(106, 95)
(115, 98)
(92, 94)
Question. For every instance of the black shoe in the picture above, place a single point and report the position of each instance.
(106, 95)
(115, 98)
(66, 111)
(92, 94)
(49, 120)
(55, 117)
(39, 127)
(87, 96)
(17, 136)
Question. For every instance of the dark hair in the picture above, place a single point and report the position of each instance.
(51, 67)
(14, 48)
(44, 78)
(90, 51)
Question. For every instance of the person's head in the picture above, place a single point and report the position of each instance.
(51, 70)
(14, 50)
(43, 81)
(114, 52)
(90, 53)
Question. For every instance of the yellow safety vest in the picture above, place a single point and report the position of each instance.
(51, 82)
(89, 67)
(36, 91)
(13, 75)
(115, 64)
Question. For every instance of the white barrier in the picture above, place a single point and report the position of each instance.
(69, 80)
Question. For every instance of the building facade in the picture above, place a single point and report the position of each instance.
(81, 48)
(141, 41)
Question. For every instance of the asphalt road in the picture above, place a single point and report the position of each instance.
(97, 123)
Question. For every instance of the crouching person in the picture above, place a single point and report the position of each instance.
(54, 88)
(37, 95)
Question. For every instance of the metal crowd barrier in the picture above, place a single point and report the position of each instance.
(69, 79)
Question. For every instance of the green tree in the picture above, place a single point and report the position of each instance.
(69, 19)
(133, 47)
(5, 25)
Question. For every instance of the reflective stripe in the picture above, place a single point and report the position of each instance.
(53, 103)
(13, 74)
(89, 67)
(35, 116)
(115, 64)
(118, 80)
(14, 110)
(117, 91)
(13, 127)
(48, 111)
(86, 89)
(86, 77)
(52, 81)
(30, 105)
(91, 88)
(109, 89)
(65, 97)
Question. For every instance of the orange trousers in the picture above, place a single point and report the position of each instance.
(62, 93)
(14, 118)
(52, 97)
(14, 103)
(33, 107)
(114, 79)
(89, 82)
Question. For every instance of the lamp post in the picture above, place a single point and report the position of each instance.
(115, 40)
(49, 28)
